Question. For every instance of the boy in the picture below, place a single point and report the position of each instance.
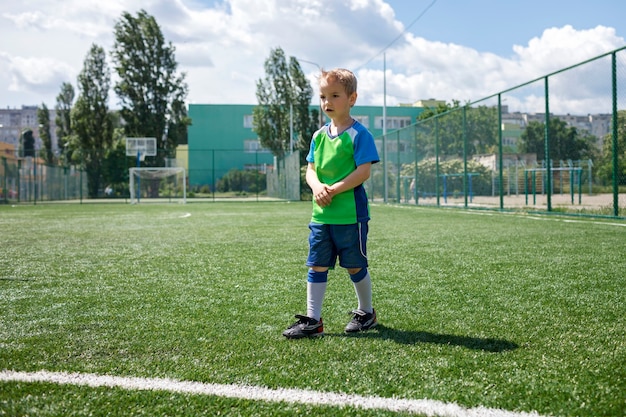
(339, 162)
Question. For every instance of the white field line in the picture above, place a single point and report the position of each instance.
(426, 407)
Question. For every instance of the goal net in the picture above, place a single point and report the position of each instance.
(158, 185)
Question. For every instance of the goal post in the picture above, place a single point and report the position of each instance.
(164, 184)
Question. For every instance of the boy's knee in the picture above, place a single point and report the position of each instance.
(357, 274)
(317, 276)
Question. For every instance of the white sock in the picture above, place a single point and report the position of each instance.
(314, 299)
(363, 291)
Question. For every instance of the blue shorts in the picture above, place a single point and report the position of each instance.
(346, 241)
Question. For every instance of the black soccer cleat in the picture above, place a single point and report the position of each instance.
(304, 327)
(361, 321)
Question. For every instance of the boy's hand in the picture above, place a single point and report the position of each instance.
(323, 195)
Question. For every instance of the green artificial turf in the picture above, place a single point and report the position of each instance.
(511, 311)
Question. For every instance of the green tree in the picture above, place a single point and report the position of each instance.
(114, 165)
(91, 120)
(605, 169)
(480, 130)
(28, 143)
(305, 122)
(151, 92)
(283, 93)
(63, 119)
(566, 142)
(43, 118)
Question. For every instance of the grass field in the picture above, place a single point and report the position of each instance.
(479, 312)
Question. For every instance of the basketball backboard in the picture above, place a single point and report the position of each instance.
(141, 147)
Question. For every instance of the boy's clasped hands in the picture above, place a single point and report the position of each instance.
(323, 195)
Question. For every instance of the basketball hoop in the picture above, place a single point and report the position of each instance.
(141, 147)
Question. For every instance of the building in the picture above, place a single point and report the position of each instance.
(221, 137)
(14, 121)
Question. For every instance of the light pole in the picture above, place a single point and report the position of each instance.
(321, 123)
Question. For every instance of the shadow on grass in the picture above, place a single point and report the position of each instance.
(413, 337)
(16, 279)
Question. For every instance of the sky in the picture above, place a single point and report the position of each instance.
(443, 49)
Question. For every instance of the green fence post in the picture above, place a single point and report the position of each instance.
(534, 176)
(437, 159)
(415, 189)
(579, 172)
(526, 185)
(19, 188)
(34, 181)
(4, 180)
(465, 156)
(614, 134)
(80, 193)
(547, 148)
(398, 166)
(500, 156)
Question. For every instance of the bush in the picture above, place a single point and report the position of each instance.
(242, 181)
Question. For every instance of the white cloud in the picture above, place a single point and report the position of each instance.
(222, 48)
(426, 69)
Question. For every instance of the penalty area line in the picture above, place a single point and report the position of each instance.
(247, 392)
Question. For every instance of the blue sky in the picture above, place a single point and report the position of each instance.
(458, 50)
(496, 25)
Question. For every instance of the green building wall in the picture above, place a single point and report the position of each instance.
(220, 140)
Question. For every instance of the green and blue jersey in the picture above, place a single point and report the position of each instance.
(336, 157)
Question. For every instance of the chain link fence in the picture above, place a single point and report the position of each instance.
(30, 180)
(520, 148)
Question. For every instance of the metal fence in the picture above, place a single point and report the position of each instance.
(284, 181)
(466, 157)
(30, 180)
(469, 155)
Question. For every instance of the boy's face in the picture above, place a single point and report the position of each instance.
(334, 99)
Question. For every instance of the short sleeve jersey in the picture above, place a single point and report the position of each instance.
(335, 157)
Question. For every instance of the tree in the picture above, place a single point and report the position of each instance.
(480, 130)
(566, 142)
(283, 93)
(151, 92)
(28, 143)
(63, 119)
(305, 122)
(114, 165)
(43, 118)
(90, 117)
(605, 170)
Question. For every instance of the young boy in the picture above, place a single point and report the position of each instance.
(339, 162)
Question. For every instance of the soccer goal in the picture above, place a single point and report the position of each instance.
(158, 184)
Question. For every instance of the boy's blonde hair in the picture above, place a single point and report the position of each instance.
(343, 76)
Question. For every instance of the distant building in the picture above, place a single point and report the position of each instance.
(491, 161)
(14, 121)
(221, 137)
(431, 103)
(513, 125)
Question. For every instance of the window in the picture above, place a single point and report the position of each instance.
(253, 146)
(393, 123)
(262, 168)
(247, 121)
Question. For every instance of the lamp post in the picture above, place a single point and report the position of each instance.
(321, 122)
